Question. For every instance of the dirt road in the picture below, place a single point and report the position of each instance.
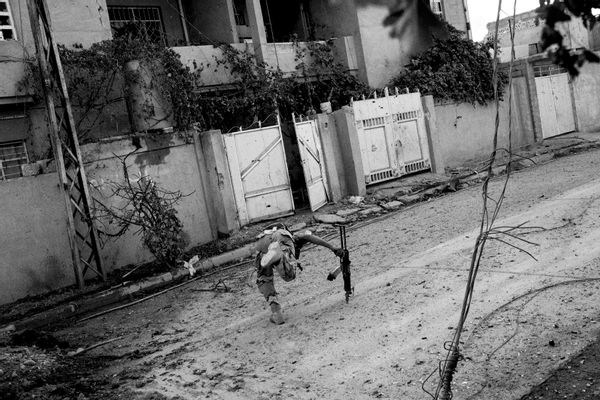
(410, 270)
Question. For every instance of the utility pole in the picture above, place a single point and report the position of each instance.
(83, 237)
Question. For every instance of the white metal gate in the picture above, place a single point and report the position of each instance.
(555, 104)
(392, 136)
(259, 173)
(309, 143)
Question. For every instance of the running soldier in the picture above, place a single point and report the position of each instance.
(279, 250)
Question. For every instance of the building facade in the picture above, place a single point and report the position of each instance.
(455, 12)
(528, 30)
(270, 29)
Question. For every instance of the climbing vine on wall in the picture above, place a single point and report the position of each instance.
(456, 69)
(99, 76)
(260, 90)
(330, 79)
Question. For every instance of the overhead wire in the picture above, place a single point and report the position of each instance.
(448, 366)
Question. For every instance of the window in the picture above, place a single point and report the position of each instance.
(240, 13)
(12, 156)
(7, 26)
(534, 48)
(436, 7)
(145, 22)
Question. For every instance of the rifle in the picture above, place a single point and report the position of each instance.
(344, 267)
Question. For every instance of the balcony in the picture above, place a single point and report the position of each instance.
(276, 55)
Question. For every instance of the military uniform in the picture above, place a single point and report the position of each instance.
(278, 250)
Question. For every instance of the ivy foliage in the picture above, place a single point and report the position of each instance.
(98, 77)
(456, 69)
(552, 39)
(260, 90)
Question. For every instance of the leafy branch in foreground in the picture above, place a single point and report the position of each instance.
(552, 39)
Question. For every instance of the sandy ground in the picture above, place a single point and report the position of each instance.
(528, 317)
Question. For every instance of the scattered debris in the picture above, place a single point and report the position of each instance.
(221, 286)
(329, 219)
(347, 212)
(298, 227)
(356, 199)
(81, 350)
(410, 199)
(189, 265)
(42, 340)
(392, 205)
(371, 210)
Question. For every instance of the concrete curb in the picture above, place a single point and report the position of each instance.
(535, 160)
(119, 294)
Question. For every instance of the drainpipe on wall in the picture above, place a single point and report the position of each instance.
(469, 31)
(186, 34)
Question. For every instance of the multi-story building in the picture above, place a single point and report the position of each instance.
(267, 28)
(455, 12)
(528, 30)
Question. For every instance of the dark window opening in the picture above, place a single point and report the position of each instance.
(240, 12)
(287, 21)
(534, 48)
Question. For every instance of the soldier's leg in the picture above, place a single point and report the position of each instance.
(266, 287)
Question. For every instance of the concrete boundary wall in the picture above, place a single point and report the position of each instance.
(34, 240)
(352, 172)
(170, 160)
(36, 256)
(586, 95)
(458, 134)
(464, 132)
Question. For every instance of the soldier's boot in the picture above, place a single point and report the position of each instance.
(276, 315)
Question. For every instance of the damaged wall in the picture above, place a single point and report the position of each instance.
(172, 162)
(36, 256)
(384, 56)
(465, 130)
(586, 95)
(35, 245)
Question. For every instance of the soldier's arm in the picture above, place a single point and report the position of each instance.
(307, 237)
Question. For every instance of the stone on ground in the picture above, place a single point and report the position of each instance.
(347, 212)
(409, 199)
(329, 219)
(392, 205)
(371, 210)
(297, 227)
